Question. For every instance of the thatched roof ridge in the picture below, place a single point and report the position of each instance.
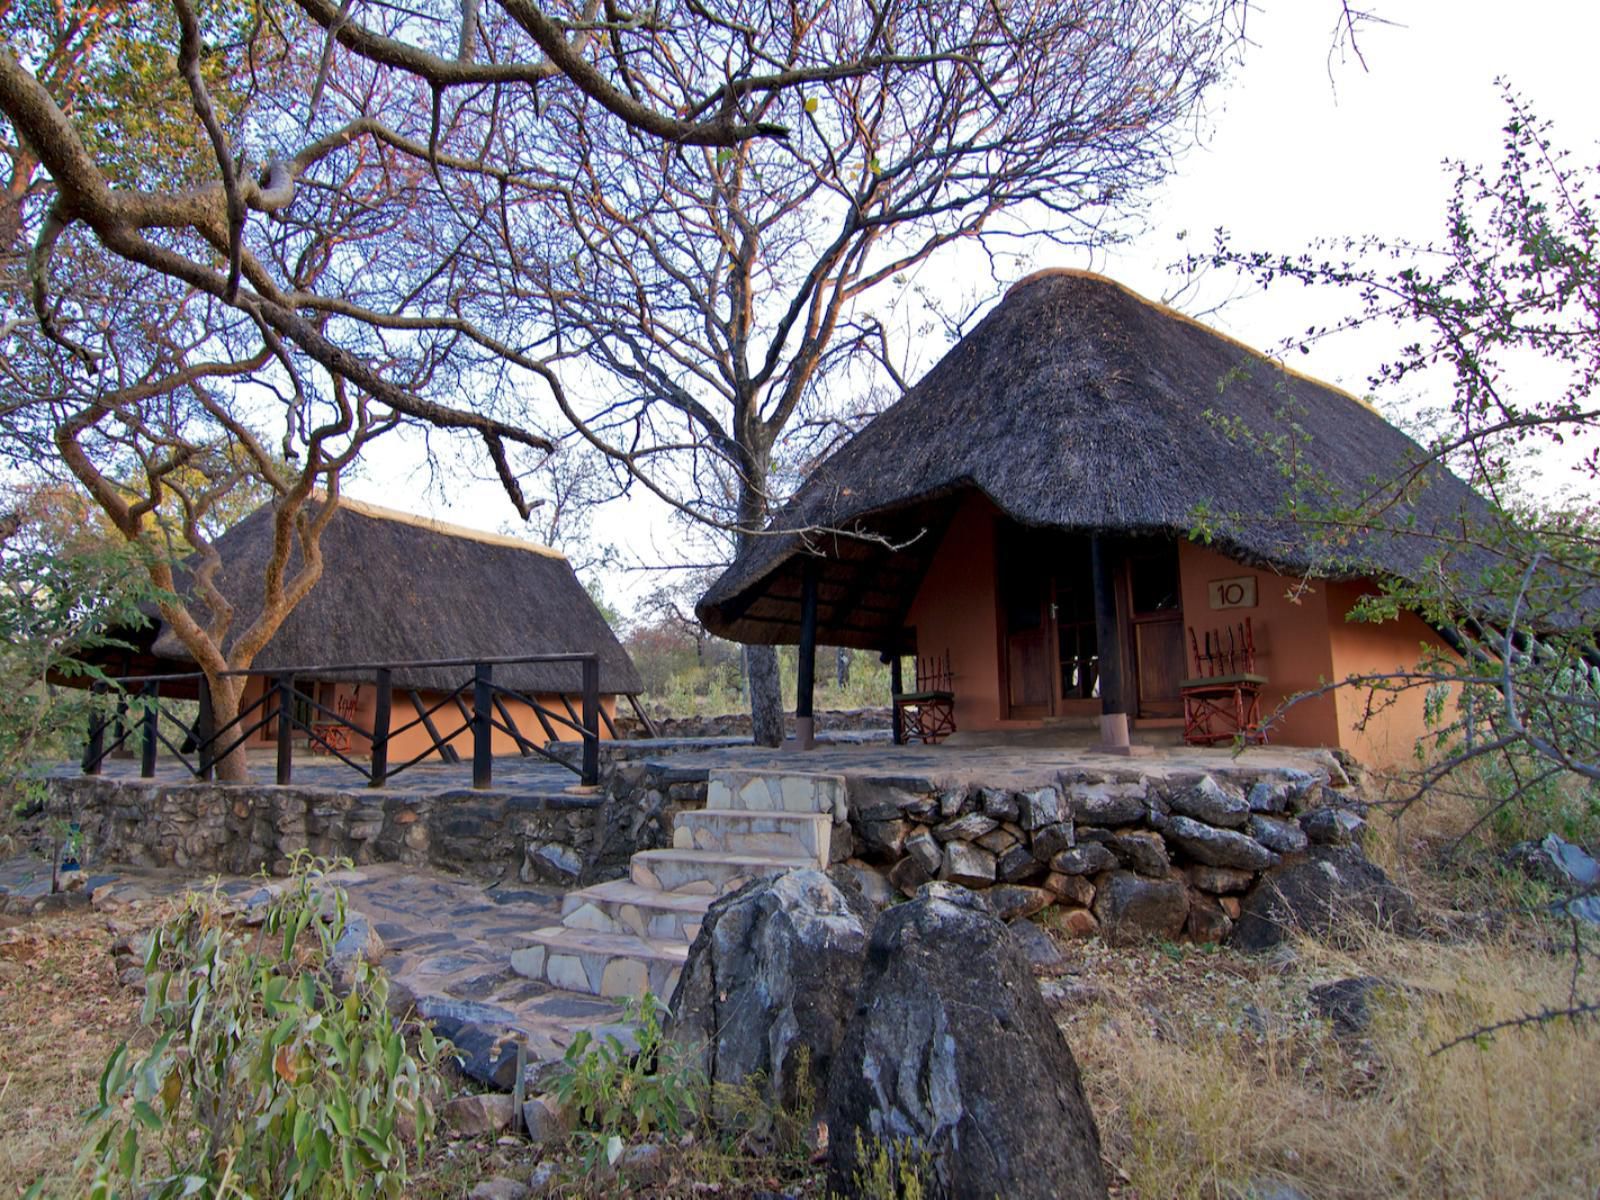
(400, 587)
(1078, 404)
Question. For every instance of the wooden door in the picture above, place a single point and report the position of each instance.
(1155, 619)
(1028, 630)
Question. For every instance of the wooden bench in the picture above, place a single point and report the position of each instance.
(928, 713)
(1222, 702)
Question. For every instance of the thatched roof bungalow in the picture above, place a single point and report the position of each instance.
(398, 587)
(1080, 419)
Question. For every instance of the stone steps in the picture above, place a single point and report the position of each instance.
(626, 935)
(622, 906)
(706, 872)
(774, 834)
(601, 964)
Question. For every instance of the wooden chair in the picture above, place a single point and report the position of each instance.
(928, 714)
(1222, 702)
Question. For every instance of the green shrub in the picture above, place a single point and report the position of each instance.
(892, 1170)
(267, 1076)
(618, 1095)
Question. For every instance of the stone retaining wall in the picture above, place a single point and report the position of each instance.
(1126, 853)
(738, 724)
(241, 829)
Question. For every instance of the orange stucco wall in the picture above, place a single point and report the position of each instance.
(1289, 623)
(956, 610)
(358, 703)
(1365, 648)
(1302, 638)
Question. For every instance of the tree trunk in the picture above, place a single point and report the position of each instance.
(761, 662)
(766, 695)
(226, 694)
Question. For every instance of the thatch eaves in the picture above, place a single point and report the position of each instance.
(1079, 405)
(398, 587)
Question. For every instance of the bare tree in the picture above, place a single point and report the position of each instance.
(289, 233)
(721, 292)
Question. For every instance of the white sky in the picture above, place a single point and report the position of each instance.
(1291, 155)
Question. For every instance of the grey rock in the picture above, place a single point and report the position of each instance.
(1052, 840)
(1278, 834)
(1212, 802)
(998, 841)
(1011, 901)
(477, 1114)
(999, 804)
(552, 862)
(359, 942)
(952, 1046)
(1108, 803)
(498, 1187)
(968, 828)
(476, 1033)
(1131, 908)
(1073, 889)
(925, 850)
(884, 839)
(952, 801)
(908, 875)
(1222, 881)
(1039, 947)
(1333, 827)
(1207, 922)
(1335, 885)
(1268, 796)
(872, 882)
(770, 980)
(966, 864)
(1143, 851)
(1039, 808)
(923, 809)
(1350, 1003)
(1017, 865)
(1088, 859)
(545, 1176)
(1218, 847)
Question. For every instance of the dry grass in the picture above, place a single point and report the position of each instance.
(62, 1012)
(1210, 1071)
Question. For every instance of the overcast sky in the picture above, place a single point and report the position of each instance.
(1297, 147)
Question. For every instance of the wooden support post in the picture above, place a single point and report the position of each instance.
(94, 750)
(482, 729)
(897, 686)
(205, 729)
(591, 720)
(152, 715)
(805, 730)
(285, 686)
(1108, 640)
(381, 715)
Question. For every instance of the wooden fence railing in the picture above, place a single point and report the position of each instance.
(142, 713)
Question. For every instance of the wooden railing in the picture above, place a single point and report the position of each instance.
(142, 712)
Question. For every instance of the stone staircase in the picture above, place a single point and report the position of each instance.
(623, 936)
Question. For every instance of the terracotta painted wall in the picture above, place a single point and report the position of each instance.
(1363, 648)
(1290, 627)
(956, 610)
(358, 702)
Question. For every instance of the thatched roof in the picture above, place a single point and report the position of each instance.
(398, 587)
(1077, 405)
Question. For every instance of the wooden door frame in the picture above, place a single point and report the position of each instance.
(1128, 621)
(1003, 638)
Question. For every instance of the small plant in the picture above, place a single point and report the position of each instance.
(617, 1095)
(265, 1077)
(893, 1170)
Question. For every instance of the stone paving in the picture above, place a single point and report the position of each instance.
(447, 941)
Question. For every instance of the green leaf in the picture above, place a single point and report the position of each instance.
(613, 1149)
(811, 104)
(147, 1116)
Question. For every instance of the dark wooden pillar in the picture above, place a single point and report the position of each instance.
(1108, 639)
(205, 732)
(482, 730)
(94, 750)
(897, 685)
(806, 681)
(285, 686)
(151, 725)
(381, 716)
(591, 720)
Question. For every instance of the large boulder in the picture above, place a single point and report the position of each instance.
(1132, 908)
(1335, 885)
(1218, 847)
(771, 979)
(953, 1049)
(1212, 802)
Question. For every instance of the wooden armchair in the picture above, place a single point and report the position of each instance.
(1222, 702)
(927, 714)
